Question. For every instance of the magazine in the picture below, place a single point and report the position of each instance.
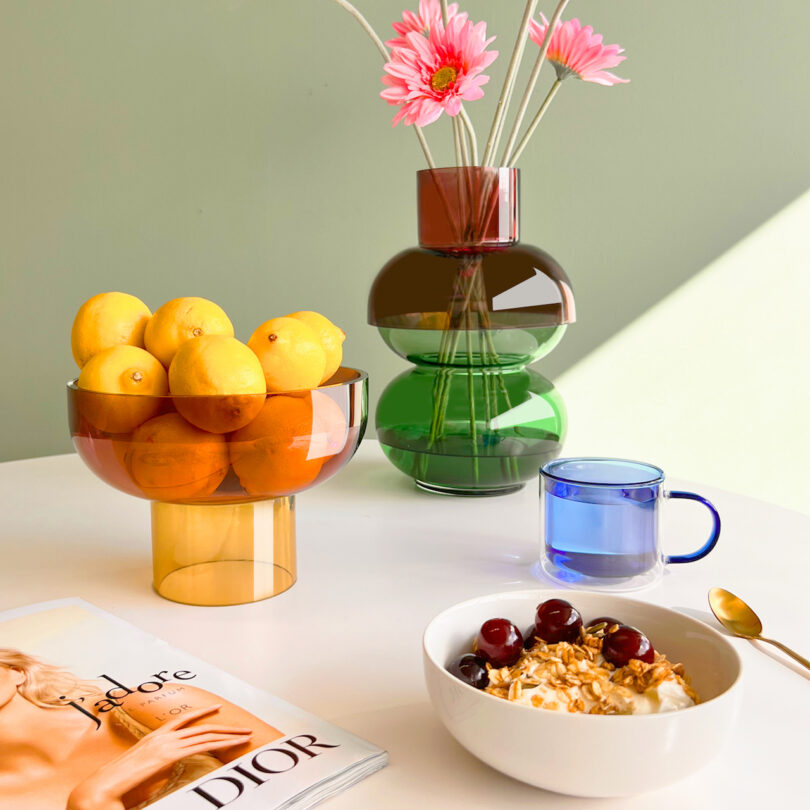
(99, 714)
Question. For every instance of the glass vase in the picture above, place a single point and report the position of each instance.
(471, 307)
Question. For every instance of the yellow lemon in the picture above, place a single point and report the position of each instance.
(106, 320)
(331, 338)
(124, 370)
(217, 383)
(290, 353)
(180, 320)
(121, 370)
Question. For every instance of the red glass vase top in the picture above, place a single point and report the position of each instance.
(467, 208)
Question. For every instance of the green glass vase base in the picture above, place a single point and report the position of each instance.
(425, 428)
(468, 493)
(448, 467)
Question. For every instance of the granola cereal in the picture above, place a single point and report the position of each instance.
(574, 677)
(563, 665)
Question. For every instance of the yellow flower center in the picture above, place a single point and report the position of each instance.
(443, 78)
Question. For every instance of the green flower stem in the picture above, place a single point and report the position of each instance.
(506, 159)
(447, 354)
(490, 382)
(470, 129)
(485, 379)
(508, 85)
(537, 118)
(366, 26)
(462, 158)
(456, 140)
(425, 148)
(444, 11)
(497, 381)
(469, 290)
(471, 396)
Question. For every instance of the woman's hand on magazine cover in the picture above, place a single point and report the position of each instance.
(156, 752)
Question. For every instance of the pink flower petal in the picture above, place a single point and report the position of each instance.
(433, 67)
(473, 93)
(577, 50)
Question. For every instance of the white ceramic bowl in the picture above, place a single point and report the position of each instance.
(579, 754)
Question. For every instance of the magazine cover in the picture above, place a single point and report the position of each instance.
(96, 714)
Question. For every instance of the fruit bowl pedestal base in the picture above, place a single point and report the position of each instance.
(223, 554)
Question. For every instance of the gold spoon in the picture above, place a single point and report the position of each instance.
(737, 617)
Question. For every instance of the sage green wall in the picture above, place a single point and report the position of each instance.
(239, 151)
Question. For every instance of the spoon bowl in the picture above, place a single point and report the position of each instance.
(734, 614)
(737, 617)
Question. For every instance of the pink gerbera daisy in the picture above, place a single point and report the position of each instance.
(430, 13)
(577, 51)
(434, 74)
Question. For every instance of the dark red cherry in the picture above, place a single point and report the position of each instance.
(626, 643)
(499, 642)
(609, 621)
(471, 669)
(529, 639)
(557, 620)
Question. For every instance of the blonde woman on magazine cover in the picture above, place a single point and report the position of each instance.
(58, 751)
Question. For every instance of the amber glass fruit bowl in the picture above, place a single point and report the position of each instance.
(221, 472)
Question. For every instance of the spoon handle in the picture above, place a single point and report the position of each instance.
(794, 655)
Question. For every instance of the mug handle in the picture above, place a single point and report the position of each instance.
(710, 543)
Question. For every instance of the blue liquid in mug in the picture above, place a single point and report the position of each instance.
(596, 527)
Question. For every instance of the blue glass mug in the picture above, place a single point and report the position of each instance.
(600, 523)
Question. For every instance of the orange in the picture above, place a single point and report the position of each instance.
(106, 320)
(180, 320)
(171, 460)
(271, 455)
(120, 370)
(290, 353)
(217, 383)
(331, 338)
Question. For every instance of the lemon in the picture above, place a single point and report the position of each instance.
(124, 370)
(290, 353)
(331, 338)
(217, 383)
(106, 320)
(121, 370)
(180, 320)
(215, 364)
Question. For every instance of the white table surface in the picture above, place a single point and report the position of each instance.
(378, 559)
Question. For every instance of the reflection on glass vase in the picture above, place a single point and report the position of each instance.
(471, 308)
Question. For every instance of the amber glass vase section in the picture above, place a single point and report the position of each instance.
(223, 517)
(470, 307)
